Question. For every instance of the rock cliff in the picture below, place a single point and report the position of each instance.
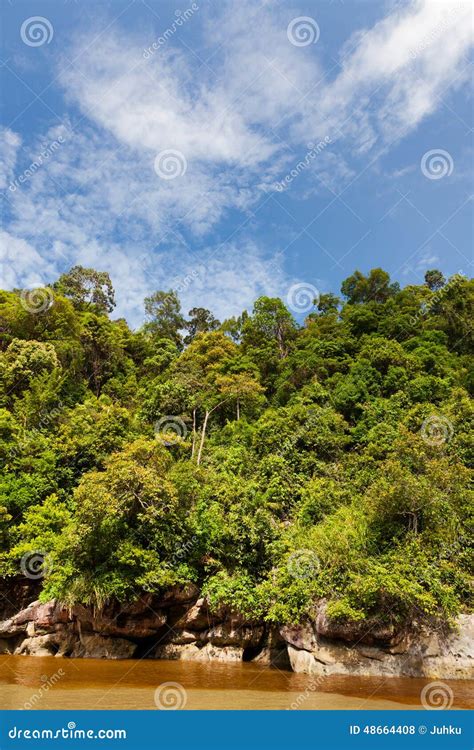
(180, 625)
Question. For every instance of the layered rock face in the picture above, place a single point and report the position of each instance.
(180, 625)
(322, 647)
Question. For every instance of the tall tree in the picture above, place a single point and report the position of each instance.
(375, 287)
(233, 327)
(328, 303)
(206, 359)
(86, 287)
(434, 280)
(268, 335)
(270, 325)
(164, 318)
(202, 321)
(242, 389)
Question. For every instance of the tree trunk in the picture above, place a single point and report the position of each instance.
(413, 522)
(281, 343)
(203, 435)
(204, 426)
(238, 410)
(194, 434)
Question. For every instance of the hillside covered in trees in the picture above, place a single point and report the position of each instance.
(271, 464)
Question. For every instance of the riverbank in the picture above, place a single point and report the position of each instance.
(180, 626)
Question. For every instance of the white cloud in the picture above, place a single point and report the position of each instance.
(79, 209)
(153, 104)
(418, 263)
(232, 277)
(98, 201)
(226, 278)
(10, 142)
(21, 266)
(394, 73)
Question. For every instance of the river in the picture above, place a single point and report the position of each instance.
(52, 683)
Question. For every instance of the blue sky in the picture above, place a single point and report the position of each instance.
(233, 149)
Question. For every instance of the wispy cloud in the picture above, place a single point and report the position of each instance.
(393, 75)
(240, 110)
(10, 142)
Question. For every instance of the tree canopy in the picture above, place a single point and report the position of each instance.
(272, 463)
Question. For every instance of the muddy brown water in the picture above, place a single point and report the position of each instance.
(53, 683)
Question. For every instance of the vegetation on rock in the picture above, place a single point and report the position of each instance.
(271, 464)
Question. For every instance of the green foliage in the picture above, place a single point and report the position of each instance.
(272, 464)
(375, 287)
(22, 362)
(434, 279)
(164, 319)
(237, 592)
(202, 321)
(86, 287)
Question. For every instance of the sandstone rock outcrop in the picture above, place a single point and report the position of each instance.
(322, 647)
(181, 625)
